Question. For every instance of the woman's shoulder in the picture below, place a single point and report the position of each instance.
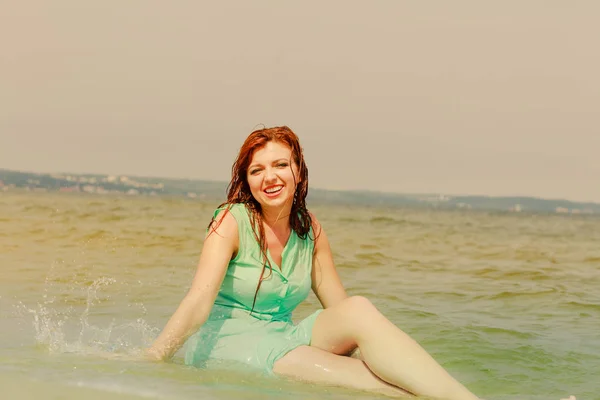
(236, 209)
(237, 213)
(223, 223)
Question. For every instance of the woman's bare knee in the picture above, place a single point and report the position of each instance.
(358, 304)
(359, 308)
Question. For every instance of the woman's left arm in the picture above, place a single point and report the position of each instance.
(326, 282)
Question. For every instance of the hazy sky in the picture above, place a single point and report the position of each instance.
(461, 97)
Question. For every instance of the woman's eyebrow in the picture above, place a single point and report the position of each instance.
(257, 164)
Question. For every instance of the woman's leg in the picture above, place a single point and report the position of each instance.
(389, 352)
(315, 365)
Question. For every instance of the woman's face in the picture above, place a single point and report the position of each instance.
(272, 175)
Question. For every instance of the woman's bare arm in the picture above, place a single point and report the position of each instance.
(326, 282)
(219, 247)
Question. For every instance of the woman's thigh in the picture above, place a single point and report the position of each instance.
(339, 328)
(311, 364)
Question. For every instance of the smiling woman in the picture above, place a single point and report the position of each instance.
(237, 312)
(270, 177)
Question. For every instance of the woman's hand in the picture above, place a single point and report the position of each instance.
(152, 354)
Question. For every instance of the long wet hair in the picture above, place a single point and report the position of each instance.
(238, 190)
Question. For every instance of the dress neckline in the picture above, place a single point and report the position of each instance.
(283, 252)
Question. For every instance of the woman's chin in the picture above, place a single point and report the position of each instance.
(274, 202)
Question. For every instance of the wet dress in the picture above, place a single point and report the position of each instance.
(234, 334)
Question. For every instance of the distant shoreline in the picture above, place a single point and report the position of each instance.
(216, 190)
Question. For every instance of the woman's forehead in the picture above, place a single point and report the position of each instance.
(271, 151)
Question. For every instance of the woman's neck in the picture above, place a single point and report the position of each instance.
(277, 218)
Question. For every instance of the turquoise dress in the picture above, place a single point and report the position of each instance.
(233, 334)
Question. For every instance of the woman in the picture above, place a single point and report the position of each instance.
(262, 254)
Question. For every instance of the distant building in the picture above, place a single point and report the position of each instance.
(516, 208)
(69, 189)
(562, 210)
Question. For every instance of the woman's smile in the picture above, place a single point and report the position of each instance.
(273, 190)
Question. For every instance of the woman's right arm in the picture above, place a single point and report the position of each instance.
(219, 247)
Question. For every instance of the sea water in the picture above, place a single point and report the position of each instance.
(508, 303)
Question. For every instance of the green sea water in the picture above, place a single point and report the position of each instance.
(509, 303)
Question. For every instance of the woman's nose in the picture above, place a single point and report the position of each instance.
(270, 175)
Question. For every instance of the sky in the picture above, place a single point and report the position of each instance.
(461, 97)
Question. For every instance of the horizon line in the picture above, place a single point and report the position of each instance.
(375, 191)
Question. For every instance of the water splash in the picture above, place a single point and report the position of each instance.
(66, 330)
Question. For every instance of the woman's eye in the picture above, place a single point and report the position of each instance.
(254, 171)
(282, 165)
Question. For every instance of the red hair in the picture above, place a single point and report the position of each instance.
(238, 190)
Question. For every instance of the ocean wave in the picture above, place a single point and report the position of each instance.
(522, 293)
